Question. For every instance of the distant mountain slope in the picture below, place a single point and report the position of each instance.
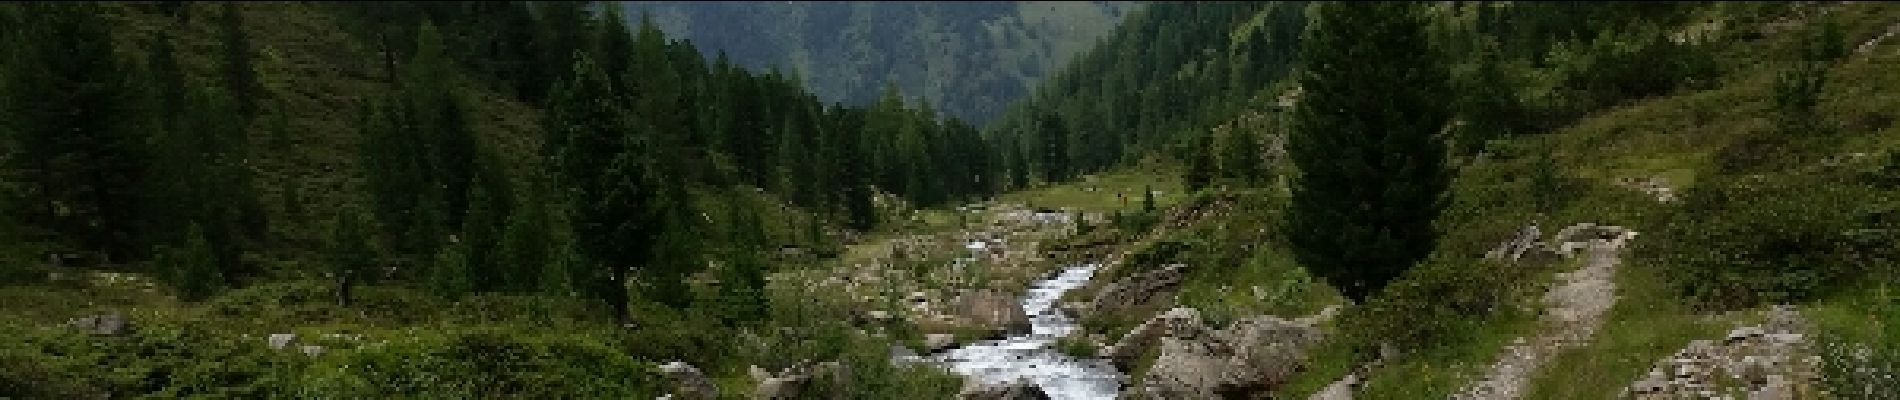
(967, 59)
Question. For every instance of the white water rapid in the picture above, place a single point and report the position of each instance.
(1032, 358)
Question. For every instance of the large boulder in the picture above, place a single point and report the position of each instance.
(1138, 289)
(688, 382)
(994, 310)
(1137, 341)
(1251, 356)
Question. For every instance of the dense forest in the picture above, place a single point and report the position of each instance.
(966, 59)
(1471, 200)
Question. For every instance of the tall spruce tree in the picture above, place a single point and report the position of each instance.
(600, 158)
(75, 134)
(1366, 141)
(240, 76)
(352, 257)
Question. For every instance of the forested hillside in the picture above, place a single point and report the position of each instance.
(965, 59)
(1323, 200)
(456, 150)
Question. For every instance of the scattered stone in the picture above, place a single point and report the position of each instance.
(1654, 186)
(279, 340)
(108, 324)
(689, 382)
(939, 341)
(311, 350)
(1766, 360)
(792, 381)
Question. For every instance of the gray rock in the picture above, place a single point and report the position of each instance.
(939, 341)
(791, 382)
(1251, 356)
(280, 340)
(1765, 360)
(312, 350)
(108, 324)
(688, 382)
(994, 310)
(1138, 289)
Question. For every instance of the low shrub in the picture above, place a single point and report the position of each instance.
(1757, 240)
(150, 360)
(1443, 302)
(483, 363)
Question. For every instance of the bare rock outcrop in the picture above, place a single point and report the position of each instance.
(1195, 361)
(1766, 361)
(1138, 289)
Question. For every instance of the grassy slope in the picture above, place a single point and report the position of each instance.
(1675, 137)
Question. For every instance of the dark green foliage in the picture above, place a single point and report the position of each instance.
(740, 297)
(1052, 143)
(1440, 303)
(191, 266)
(153, 360)
(201, 179)
(1156, 84)
(351, 254)
(527, 247)
(1798, 89)
(71, 118)
(1242, 160)
(1548, 185)
(1754, 241)
(451, 272)
(1632, 62)
(601, 161)
(1366, 140)
(1487, 103)
(874, 376)
(1147, 199)
(240, 77)
(424, 159)
(484, 364)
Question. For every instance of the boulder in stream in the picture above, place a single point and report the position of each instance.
(993, 310)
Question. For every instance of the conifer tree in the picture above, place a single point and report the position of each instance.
(1366, 141)
(352, 257)
(75, 135)
(194, 270)
(240, 75)
(601, 160)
